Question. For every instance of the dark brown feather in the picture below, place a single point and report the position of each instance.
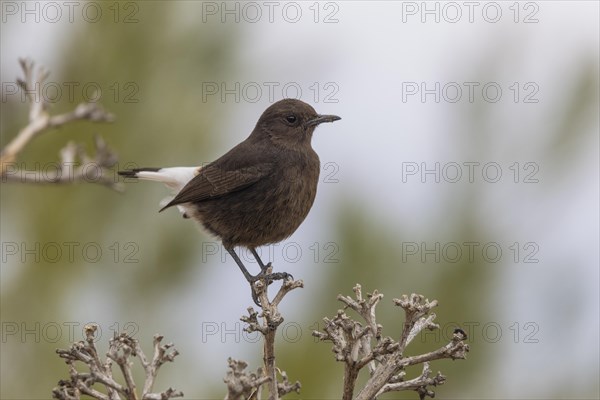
(214, 181)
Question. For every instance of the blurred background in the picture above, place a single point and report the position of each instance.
(465, 168)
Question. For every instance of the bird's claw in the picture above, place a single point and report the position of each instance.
(269, 278)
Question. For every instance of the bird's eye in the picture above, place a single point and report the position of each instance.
(291, 118)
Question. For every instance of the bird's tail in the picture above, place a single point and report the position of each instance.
(174, 178)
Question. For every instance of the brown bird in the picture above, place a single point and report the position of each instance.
(260, 191)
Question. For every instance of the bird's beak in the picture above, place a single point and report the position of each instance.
(319, 119)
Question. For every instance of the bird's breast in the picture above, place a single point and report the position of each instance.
(298, 184)
(290, 194)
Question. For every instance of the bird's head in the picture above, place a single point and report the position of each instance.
(290, 122)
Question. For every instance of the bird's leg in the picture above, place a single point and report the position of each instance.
(263, 267)
(261, 275)
(250, 278)
(253, 278)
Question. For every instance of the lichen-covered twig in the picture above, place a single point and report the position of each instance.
(360, 344)
(75, 165)
(241, 384)
(122, 350)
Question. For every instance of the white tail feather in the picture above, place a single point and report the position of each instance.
(174, 178)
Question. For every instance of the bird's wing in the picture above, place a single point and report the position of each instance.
(214, 181)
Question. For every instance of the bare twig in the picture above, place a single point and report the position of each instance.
(242, 385)
(122, 350)
(162, 354)
(352, 341)
(90, 169)
(418, 384)
(75, 166)
(285, 386)
(271, 319)
(359, 346)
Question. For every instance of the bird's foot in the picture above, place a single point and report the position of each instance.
(268, 277)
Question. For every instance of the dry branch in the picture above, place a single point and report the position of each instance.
(243, 386)
(123, 349)
(76, 165)
(359, 344)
